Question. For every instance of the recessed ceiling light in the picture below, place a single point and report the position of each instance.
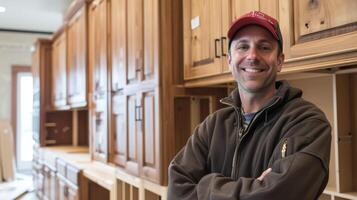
(2, 9)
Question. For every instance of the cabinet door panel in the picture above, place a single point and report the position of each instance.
(119, 129)
(151, 137)
(77, 59)
(100, 127)
(241, 7)
(134, 39)
(118, 43)
(202, 34)
(151, 49)
(132, 164)
(59, 71)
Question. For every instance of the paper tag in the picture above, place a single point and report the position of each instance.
(195, 22)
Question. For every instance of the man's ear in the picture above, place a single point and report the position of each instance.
(280, 62)
(229, 60)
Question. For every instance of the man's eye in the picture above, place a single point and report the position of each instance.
(266, 47)
(242, 47)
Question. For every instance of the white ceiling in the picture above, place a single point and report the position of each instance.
(33, 15)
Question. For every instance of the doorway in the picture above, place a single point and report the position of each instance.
(22, 105)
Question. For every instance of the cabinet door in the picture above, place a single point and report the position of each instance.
(77, 59)
(73, 193)
(202, 38)
(59, 72)
(98, 77)
(133, 138)
(62, 193)
(135, 40)
(318, 33)
(151, 41)
(118, 44)
(98, 45)
(149, 128)
(99, 126)
(119, 129)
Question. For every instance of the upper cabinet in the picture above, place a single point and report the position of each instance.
(318, 34)
(41, 70)
(59, 70)
(205, 43)
(133, 50)
(98, 78)
(77, 58)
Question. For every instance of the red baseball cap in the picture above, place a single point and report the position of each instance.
(256, 18)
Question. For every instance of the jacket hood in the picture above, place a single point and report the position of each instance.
(284, 93)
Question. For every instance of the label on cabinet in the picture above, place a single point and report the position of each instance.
(195, 22)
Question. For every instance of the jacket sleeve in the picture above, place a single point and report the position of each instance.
(301, 174)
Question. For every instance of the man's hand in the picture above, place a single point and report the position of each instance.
(261, 177)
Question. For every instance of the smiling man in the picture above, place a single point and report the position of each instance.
(269, 143)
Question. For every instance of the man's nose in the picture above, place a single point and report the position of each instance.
(252, 53)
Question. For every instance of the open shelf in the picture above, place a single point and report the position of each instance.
(319, 90)
(336, 95)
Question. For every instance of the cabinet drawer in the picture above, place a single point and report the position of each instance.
(72, 174)
(61, 167)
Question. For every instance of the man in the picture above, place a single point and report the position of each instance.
(269, 143)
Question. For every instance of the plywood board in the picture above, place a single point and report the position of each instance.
(324, 100)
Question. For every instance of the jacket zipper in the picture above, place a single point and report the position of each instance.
(241, 135)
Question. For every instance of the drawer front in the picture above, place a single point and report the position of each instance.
(72, 174)
(61, 166)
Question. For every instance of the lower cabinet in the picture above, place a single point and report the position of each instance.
(67, 181)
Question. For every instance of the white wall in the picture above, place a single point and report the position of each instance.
(15, 49)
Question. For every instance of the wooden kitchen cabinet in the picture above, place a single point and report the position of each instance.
(59, 70)
(134, 115)
(41, 70)
(318, 34)
(205, 43)
(77, 58)
(98, 78)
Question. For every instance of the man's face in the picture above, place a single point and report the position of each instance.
(254, 59)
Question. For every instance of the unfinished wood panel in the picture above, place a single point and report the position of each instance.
(343, 102)
(119, 129)
(324, 101)
(135, 40)
(150, 135)
(202, 35)
(118, 30)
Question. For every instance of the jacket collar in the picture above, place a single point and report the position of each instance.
(284, 94)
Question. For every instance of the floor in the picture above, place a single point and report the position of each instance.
(16, 188)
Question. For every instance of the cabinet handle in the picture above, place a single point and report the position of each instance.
(215, 48)
(138, 113)
(222, 46)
